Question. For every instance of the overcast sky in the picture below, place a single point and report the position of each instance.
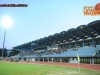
(42, 18)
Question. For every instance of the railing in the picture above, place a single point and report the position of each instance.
(96, 52)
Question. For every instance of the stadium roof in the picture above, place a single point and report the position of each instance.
(90, 30)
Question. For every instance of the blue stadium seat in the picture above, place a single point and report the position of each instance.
(83, 51)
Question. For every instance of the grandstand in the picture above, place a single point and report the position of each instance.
(64, 46)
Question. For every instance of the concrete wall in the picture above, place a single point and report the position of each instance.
(33, 59)
(73, 60)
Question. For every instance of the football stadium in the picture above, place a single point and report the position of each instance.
(64, 47)
(72, 52)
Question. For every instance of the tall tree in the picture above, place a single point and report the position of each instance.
(5, 52)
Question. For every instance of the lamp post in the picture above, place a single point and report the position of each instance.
(6, 22)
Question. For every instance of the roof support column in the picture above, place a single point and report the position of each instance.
(92, 42)
(75, 44)
(43, 59)
(83, 43)
(60, 60)
(68, 45)
(63, 45)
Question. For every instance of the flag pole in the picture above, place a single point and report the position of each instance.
(78, 62)
(79, 66)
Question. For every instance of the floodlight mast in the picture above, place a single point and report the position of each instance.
(6, 22)
(4, 42)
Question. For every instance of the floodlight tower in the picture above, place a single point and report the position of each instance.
(5, 22)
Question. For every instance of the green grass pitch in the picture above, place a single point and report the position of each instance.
(11, 68)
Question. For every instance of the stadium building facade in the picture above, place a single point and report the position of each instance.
(64, 47)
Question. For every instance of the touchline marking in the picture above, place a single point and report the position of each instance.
(57, 65)
(65, 66)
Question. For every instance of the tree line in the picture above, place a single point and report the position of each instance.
(8, 53)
